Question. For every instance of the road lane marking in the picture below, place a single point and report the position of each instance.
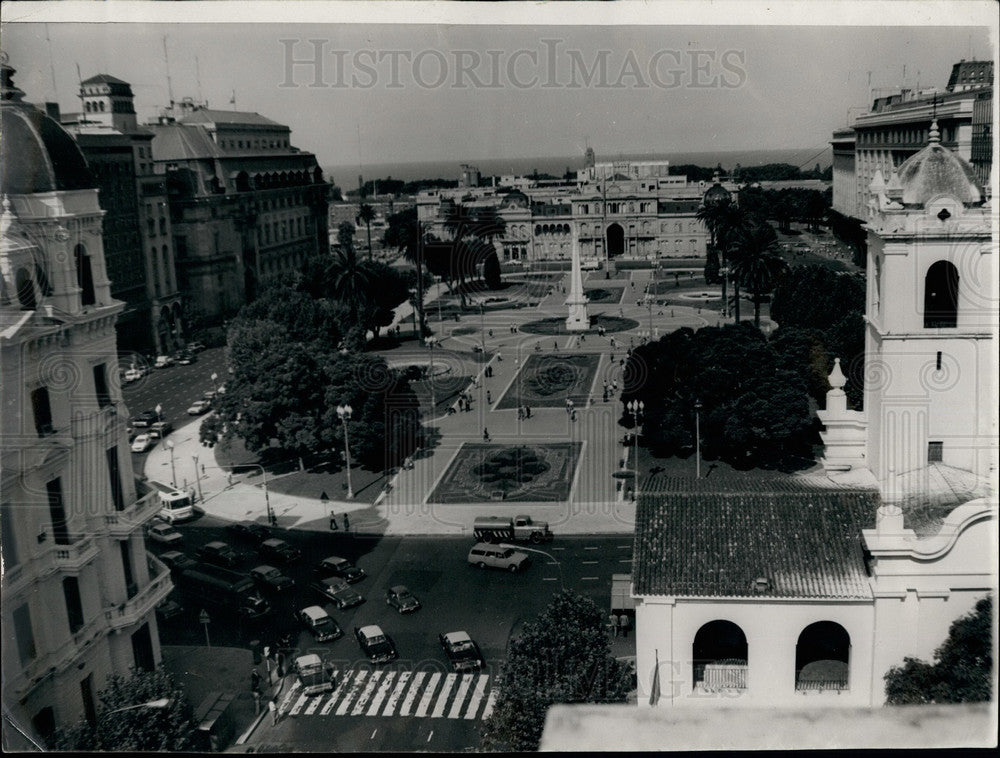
(383, 690)
(404, 709)
(449, 682)
(477, 696)
(463, 690)
(430, 735)
(588, 563)
(590, 548)
(588, 578)
(624, 547)
(288, 698)
(549, 578)
(313, 705)
(625, 560)
(390, 705)
(490, 702)
(425, 701)
(362, 701)
(359, 677)
(299, 705)
(374, 732)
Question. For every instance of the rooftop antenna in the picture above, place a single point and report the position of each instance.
(197, 75)
(166, 61)
(79, 79)
(52, 66)
(232, 100)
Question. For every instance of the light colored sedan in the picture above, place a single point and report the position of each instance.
(199, 407)
(164, 534)
(142, 443)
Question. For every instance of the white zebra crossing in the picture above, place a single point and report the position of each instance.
(397, 693)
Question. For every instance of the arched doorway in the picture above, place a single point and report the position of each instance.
(941, 296)
(719, 655)
(616, 240)
(822, 657)
(84, 276)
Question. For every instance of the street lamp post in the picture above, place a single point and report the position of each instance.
(215, 384)
(697, 439)
(540, 552)
(431, 343)
(482, 326)
(344, 412)
(159, 409)
(173, 470)
(163, 702)
(197, 478)
(440, 279)
(635, 407)
(267, 498)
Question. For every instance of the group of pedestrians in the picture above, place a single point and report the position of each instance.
(619, 625)
(523, 412)
(465, 401)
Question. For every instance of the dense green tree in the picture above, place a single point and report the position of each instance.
(491, 271)
(814, 297)
(404, 233)
(564, 656)
(962, 671)
(307, 316)
(757, 264)
(134, 729)
(472, 231)
(366, 214)
(712, 266)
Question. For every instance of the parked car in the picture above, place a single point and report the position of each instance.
(400, 598)
(278, 550)
(485, 555)
(142, 443)
(161, 428)
(177, 561)
(184, 358)
(168, 609)
(375, 644)
(337, 566)
(209, 394)
(222, 389)
(336, 590)
(165, 534)
(461, 651)
(270, 579)
(319, 624)
(132, 375)
(199, 407)
(249, 530)
(195, 347)
(144, 419)
(219, 554)
(163, 361)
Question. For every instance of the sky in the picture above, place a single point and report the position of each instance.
(390, 91)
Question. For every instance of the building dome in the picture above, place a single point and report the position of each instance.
(936, 171)
(717, 194)
(515, 199)
(36, 153)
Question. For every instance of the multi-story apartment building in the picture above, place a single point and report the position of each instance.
(623, 210)
(246, 207)
(79, 590)
(138, 238)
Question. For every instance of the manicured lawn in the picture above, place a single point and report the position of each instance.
(548, 380)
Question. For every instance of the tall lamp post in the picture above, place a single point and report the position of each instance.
(635, 407)
(540, 552)
(215, 384)
(440, 280)
(267, 498)
(482, 326)
(197, 478)
(345, 411)
(431, 343)
(173, 470)
(697, 439)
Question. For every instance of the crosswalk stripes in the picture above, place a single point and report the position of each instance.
(411, 695)
(365, 692)
(477, 696)
(362, 701)
(449, 682)
(490, 702)
(425, 701)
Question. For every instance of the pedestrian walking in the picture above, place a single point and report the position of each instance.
(572, 415)
(624, 622)
(555, 345)
(272, 706)
(614, 385)
(229, 479)
(486, 434)
(347, 523)
(520, 413)
(583, 338)
(489, 332)
(613, 625)
(254, 680)
(489, 397)
(333, 522)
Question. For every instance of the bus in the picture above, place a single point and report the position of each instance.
(221, 587)
(175, 504)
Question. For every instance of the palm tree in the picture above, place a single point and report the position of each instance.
(406, 235)
(349, 280)
(758, 265)
(472, 231)
(366, 213)
(723, 218)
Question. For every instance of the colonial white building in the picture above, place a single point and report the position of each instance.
(79, 591)
(806, 596)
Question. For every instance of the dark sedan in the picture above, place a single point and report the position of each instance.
(461, 651)
(337, 566)
(270, 579)
(337, 591)
(400, 598)
(250, 531)
(375, 644)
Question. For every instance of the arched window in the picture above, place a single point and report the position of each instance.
(25, 290)
(719, 654)
(941, 296)
(822, 657)
(84, 276)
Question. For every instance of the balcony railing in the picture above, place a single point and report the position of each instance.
(724, 676)
(120, 523)
(132, 611)
(821, 685)
(75, 555)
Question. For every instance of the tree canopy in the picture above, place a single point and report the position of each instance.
(754, 409)
(564, 656)
(134, 730)
(962, 671)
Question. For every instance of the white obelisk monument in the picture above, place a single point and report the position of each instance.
(576, 319)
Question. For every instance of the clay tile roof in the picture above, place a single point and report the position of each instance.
(103, 79)
(805, 544)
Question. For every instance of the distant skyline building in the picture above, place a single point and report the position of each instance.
(79, 590)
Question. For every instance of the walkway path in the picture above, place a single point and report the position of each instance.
(597, 501)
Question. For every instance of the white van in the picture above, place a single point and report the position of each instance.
(175, 505)
(486, 555)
